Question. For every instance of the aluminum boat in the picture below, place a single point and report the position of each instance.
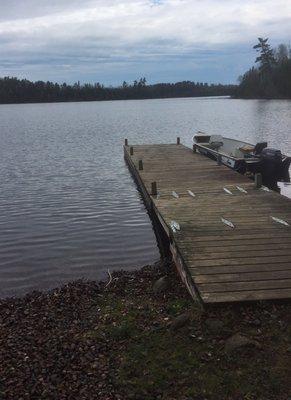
(245, 158)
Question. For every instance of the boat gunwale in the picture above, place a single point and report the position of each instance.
(226, 155)
(225, 137)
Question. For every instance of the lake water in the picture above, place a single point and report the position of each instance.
(68, 205)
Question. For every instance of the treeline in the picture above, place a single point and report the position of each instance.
(13, 90)
(272, 77)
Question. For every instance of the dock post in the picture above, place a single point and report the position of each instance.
(258, 180)
(140, 165)
(125, 142)
(154, 188)
(131, 151)
(194, 148)
(219, 159)
(178, 140)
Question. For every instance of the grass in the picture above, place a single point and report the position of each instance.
(152, 362)
(96, 342)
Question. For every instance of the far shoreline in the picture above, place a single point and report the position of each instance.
(226, 97)
(114, 100)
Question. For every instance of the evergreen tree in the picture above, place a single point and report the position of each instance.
(272, 79)
(266, 57)
(13, 90)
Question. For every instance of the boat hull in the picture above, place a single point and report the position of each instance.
(235, 164)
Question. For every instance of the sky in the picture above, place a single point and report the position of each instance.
(109, 41)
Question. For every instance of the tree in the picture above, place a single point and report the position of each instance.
(272, 79)
(13, 90)
(282, 53)
(142, 82)
(266, 57)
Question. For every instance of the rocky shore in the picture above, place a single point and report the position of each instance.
(140, 336)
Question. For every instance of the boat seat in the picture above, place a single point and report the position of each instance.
(246, 149)
(215, 142)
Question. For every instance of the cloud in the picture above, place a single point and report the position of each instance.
(78, 38)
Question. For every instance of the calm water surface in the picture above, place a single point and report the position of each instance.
(68, 206)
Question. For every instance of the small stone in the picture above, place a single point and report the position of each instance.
(160, 285)
(238, 341)
(180, 321)
(255, 322)
(157, 326)
(214, 325)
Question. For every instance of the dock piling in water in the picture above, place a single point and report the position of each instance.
(258, 181)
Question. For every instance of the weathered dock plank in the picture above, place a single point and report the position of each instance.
(218, 263)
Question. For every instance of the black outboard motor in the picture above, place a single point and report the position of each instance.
(271, 154)
(271, 166)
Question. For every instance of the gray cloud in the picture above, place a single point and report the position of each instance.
(20, 9)
(116, 40)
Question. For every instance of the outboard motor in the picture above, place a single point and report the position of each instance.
(271, 154)
(271, 166)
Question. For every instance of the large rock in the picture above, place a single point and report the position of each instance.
(180, 321)
(239, 341)
(160, 285)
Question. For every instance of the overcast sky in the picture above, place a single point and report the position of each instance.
(114, 40)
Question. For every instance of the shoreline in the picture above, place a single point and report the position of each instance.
(224, 96)
(141, 336)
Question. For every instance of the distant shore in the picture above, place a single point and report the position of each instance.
(140, 336)
(16, 91)
(108, 100)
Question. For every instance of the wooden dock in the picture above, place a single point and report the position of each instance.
(218, 263)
